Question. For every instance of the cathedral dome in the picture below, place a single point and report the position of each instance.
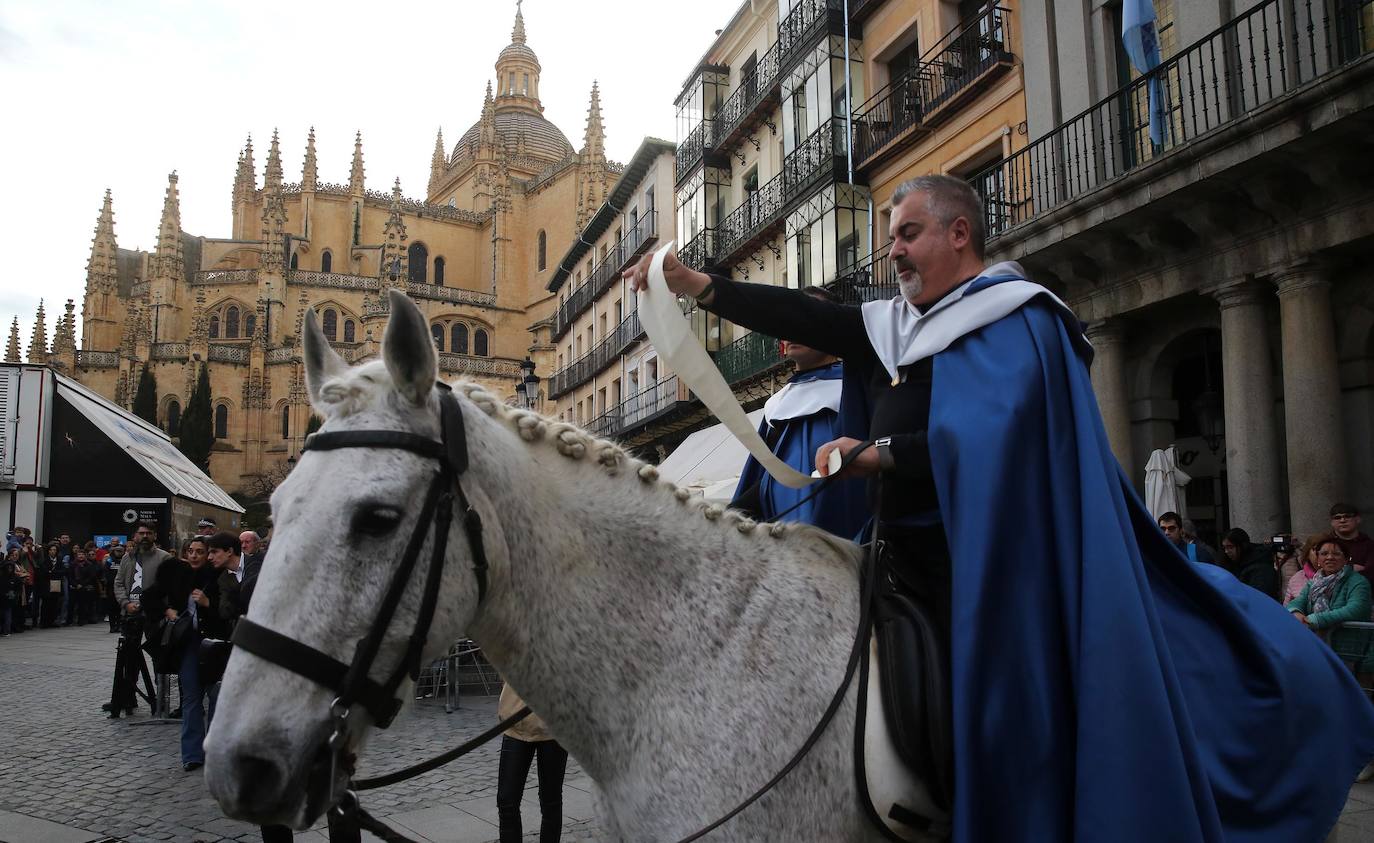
(543, 139)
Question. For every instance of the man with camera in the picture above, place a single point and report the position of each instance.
(137, 571)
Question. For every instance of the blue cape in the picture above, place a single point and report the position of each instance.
(1104, 688)
(841, 507)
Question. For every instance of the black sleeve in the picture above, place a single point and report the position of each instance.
(911, 457)
(792, 315)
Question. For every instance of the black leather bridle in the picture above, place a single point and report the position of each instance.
(350, 682)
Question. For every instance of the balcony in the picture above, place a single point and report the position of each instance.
(640, 409)
(817, 160)
(692, 151)
(749, 356)
(224, 277)
(752, 102)
(603, 355)
(804, 27)
(860, 10)
(960, 66)
(756, 220)
(700, 251)
(871, 279)
(1260, 56)
(642, 235)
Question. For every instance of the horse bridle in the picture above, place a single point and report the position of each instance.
(350, 682)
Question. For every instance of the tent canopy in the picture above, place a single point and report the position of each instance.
(147, 445)
(709, 461)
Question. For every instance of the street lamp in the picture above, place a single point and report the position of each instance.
(527, 390)
(1211, 419)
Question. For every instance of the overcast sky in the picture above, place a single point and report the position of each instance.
(117, 95)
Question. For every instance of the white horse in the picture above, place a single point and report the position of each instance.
(680, 652)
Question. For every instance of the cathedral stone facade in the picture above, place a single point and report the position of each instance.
(474, 254)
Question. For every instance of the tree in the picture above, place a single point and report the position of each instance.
(312, 425)
(197, 424)
(145, 397)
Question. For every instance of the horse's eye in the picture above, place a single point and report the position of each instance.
(376, 520)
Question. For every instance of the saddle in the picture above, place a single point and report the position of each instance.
(902, 748)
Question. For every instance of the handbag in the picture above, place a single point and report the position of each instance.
(54, 586)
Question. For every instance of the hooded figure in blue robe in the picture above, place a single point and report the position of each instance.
(797, 420)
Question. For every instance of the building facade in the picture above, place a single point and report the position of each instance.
(236, 303)
(1219, 251)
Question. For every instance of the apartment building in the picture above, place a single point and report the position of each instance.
(606, 376)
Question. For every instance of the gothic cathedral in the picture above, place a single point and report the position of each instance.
(474, 254)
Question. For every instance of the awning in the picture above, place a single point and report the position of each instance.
(709, 461)
(149, 446)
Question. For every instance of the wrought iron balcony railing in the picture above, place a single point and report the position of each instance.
(961, 64)
(642, 234)
(755, 218)
(804, 26)
(700, 252)
(752, 101)
(749, 356)
(873, 278)
(818, 158)
(639, 409)
(692, 151)
(603, 355)
(1264, 53)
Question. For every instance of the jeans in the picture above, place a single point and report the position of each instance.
(516, 756)
(193, 725)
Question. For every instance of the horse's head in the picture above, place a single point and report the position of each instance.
(342, 521)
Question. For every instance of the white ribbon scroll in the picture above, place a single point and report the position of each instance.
(673, 340)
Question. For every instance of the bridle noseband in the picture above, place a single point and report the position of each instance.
(350, 682)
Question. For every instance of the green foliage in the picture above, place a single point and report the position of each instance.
(145, 398)
(197, 423)
(312, 425)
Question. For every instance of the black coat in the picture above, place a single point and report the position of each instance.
(172, 589)
(1256, 569)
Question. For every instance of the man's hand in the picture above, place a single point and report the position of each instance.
(681, 279)
(864, 465)
(200, 598)
(132, 608)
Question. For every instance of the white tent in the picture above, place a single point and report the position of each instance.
(1164, 482)
(709, 461)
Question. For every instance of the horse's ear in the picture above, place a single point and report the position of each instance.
(408, 350)
(322, 362)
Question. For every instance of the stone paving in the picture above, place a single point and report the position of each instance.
(100, 780)
(67, 764)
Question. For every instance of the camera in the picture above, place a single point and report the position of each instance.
(1281, 544)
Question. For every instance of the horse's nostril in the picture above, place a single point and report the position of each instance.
(261, 782)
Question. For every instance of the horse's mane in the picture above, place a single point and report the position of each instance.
(357, 388)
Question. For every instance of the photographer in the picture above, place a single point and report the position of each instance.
(137, 570)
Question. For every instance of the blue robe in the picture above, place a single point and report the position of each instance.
(1104, 687)
(840, 508)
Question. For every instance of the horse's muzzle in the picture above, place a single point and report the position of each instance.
(256, 782)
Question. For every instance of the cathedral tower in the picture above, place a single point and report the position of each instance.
(99, 306)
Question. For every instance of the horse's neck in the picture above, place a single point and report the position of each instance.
(616, 598)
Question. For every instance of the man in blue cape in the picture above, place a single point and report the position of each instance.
(1104, 688)
(797, 420)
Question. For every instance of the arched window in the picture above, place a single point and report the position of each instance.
(331, 325)
(418, 257)
(439, 271)
(479, 343)
(326, 261)
(437, 331)
(214, 326)
(543, 250)
(460, 338)
(286, 421)
(295, 261)
(250, 324)
(231, 323)
(348, 330)
(174, 419)
(222, 421)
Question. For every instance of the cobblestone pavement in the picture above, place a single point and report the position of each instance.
(67, 763)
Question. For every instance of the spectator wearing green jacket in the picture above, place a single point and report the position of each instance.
(1337, 594)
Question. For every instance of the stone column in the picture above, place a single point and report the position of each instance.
(1252, 471)
(1311, 397)
(1108, 338)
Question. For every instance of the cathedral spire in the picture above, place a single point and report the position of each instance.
(64, 337)
(517, 33)
(394, 251)
(167, 262)
(272, 177)
(102, 269)
(12, 349)
(38, 344)
(246, 182)
(309, 172)
(594, 140)
(355, 175)
(438, 162)
(486, 133)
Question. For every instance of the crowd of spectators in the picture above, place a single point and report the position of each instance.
(58, 583)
